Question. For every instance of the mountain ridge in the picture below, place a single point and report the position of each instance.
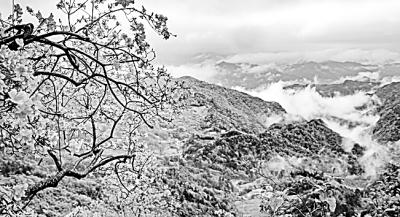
(220, 157)
(251, 76)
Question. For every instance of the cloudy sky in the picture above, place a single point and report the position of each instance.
(237, 26)
(265, 26)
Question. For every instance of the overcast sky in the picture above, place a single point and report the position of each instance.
(258, 26)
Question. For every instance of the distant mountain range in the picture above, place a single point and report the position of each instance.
(348, 87)
(251, 76)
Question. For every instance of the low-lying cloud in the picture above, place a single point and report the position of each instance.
(381, 66)
(377, 56)
(342, 114)
(352, 116)
(309, 104)
(203, 72)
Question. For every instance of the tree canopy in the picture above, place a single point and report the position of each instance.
(75, 89)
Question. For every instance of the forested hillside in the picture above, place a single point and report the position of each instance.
(90, 125)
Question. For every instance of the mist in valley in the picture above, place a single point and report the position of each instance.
(200, 108)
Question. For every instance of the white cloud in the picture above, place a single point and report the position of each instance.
(308, 104)
(263, 26)
(374, 56)
(200, 71)
(236, 26)
(361, 76)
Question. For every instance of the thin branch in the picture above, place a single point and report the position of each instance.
(55, 159)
